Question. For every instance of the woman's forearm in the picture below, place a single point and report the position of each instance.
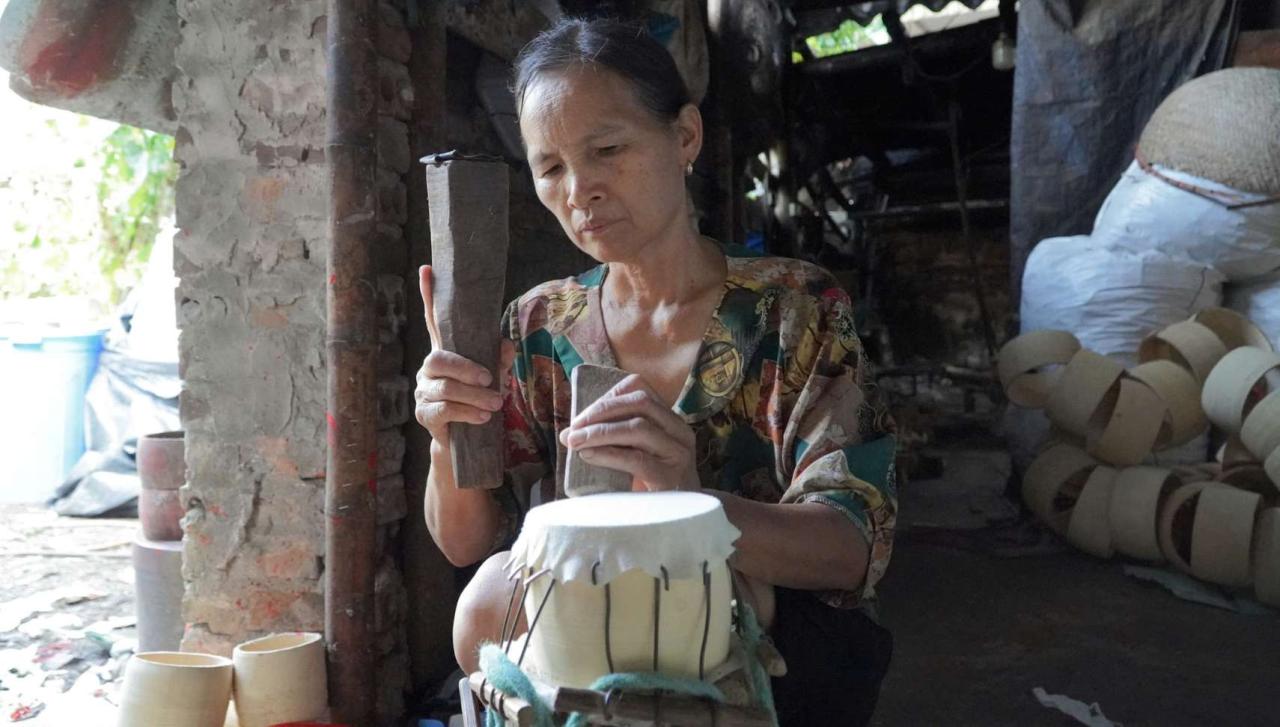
(806, 546)
(462, 522)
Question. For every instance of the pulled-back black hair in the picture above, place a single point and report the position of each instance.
(624, 48)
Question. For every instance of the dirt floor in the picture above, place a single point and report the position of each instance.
(983, 617)
(66, 616)
(984, 609)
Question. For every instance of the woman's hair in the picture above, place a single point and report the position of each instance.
(627, 49)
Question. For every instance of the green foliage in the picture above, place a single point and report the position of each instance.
(847, 38)
(135, 195)
(81, 203)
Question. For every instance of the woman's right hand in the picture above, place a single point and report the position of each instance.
(452, 388)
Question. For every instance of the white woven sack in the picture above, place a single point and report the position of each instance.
(1144, 213)
(1259, 301)
(1110, 299)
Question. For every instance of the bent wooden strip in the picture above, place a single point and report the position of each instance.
(1251, 477)
(1230, 383)
(1132, 428)
(1266, 553)
(1081, 389)
(1059, 470)
(1261, 430)
(1089, 530)
(1272, 468)
(1135, 510)
(1180, 392)
(1188, 344)
(1222, 536)
(1176, 515)
(1233, 329)
(1023, 361)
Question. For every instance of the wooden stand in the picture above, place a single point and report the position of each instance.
(468, 201)
(606, 708)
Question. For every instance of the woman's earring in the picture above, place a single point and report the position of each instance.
(688, 169)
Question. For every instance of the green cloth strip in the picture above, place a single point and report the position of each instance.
(511, 680)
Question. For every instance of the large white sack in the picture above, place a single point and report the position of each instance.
(1259, 301)
(1146, 213)
(1110, 299)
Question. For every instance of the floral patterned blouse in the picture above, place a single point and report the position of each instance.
(778, 398)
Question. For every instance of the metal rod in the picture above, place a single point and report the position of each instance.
(706, 623)
(524, 585)
(608, 650)
(534, 623)
(351, 348)
(657, 619)
(511, 602)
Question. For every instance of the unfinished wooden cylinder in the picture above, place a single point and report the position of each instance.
(1251, 477)
(1124, 430)
(1260, 432)
(624, 582)
(468, 202)
(280, 678)
(1089, 529)
(1180, 394)
(1232, 383)
(1054, 481)
(1134, 511)
(1266, 550)
(1030, 365)
(1234, 330)
(172, 689)
(1176, 516)
(1272, 468)
(1082, 387)
(1191, 345)
(1222, 536)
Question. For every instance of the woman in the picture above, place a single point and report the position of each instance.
(747, 376)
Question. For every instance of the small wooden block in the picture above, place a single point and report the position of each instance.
(590, 382)
(469, 208)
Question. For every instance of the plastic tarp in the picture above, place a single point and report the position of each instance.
(1089, 75)
(134, 393)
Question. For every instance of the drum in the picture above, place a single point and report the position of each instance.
(623, 582)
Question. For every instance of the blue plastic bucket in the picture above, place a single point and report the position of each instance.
(44, 376)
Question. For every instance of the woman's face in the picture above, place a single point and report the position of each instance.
(611, 172)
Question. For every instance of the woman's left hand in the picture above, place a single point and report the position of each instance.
(628, 429)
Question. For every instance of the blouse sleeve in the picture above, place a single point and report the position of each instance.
(525, 458)
(838, 448)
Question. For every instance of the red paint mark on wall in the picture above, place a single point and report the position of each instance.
(333, 429)
(71, 45)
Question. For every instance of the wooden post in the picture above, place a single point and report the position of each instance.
(590, 382)
(468, 198)
(351, 341)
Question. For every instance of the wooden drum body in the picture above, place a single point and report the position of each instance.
(624, 582)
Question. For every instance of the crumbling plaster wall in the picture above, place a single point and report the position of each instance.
(252, 201)
(252, 206)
